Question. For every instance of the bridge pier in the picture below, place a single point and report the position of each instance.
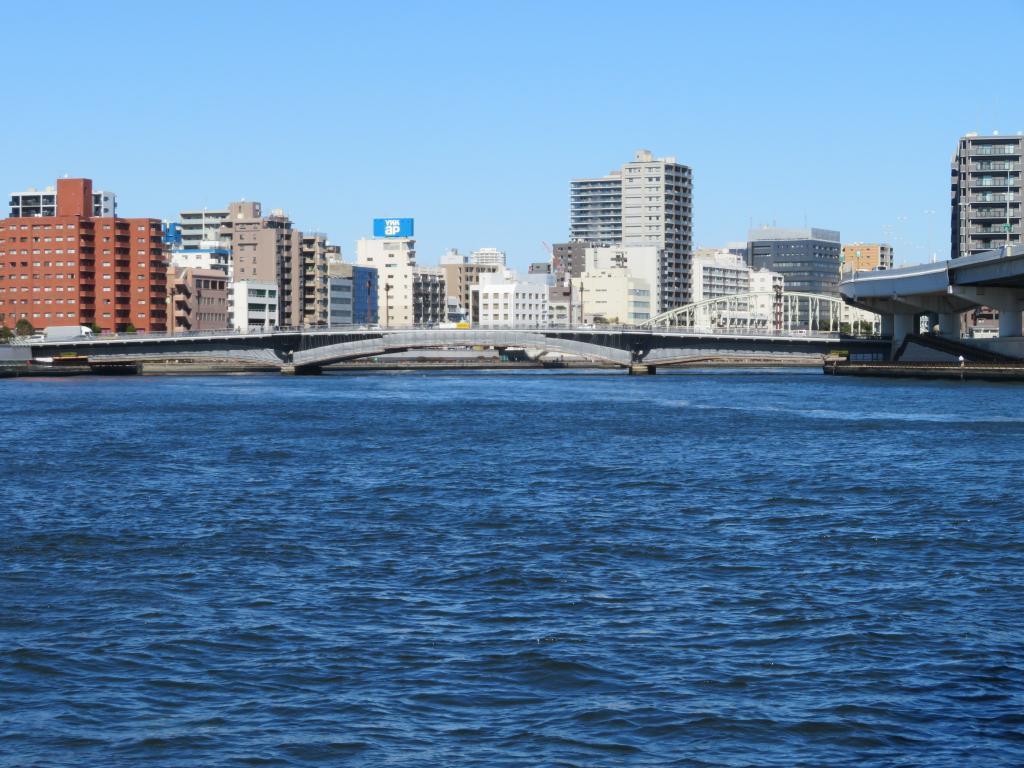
(288, 369)
(640, 369)
(949, 325)
(902, 324)
(1009, 321)
(885, 326)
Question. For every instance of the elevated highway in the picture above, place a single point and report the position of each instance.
(943, 291)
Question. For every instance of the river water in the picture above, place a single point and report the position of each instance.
(766, 568)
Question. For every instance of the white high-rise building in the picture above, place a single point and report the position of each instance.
(646, 203)
(489, 256)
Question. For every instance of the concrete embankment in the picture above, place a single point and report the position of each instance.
(923, 370)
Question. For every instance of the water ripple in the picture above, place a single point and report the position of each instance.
(753, 569)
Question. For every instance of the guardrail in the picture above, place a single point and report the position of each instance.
(326, 329)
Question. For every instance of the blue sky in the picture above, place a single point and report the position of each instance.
(473, 117)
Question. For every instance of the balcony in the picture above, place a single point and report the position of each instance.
(997, 165)
(987, 150)
(998, 182)
(994, 230)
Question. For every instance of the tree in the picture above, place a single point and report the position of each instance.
(24, 328)
(95, 327)
(129, 328)
(5, 334)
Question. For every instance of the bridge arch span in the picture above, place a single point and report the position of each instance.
(774, 311)
(400, 341)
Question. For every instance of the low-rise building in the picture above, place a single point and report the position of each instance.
(353, 294)
(339, 292)
(210, 256)
(253, 304)
(559, 305)
(613, 296)
(459, 279)
(199, 300)
(505, 300)
(643, 262)
(542, 270)
(766, 281)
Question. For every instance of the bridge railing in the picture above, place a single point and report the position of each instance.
(260, 331)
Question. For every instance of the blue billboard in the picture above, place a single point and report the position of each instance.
(392, 227)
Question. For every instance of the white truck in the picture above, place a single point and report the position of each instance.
(66, 332)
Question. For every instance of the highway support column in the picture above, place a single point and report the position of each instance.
(949, 325)
(902, 324)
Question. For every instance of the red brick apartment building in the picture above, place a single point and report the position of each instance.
(76, 269)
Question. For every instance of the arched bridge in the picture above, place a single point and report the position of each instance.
(778, 312)
(308, 350)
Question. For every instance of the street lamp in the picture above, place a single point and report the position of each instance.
(931, 226)
(387, 305)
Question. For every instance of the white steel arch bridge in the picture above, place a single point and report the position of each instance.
(765, 311)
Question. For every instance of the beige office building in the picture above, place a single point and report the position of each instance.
(859, 257)
(459, 280)
(613, 296)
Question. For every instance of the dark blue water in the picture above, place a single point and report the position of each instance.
(761, 568)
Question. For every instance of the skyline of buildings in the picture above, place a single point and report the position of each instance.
(630, 249)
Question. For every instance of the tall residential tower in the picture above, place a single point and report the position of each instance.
(986, 193)
(648, 202)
